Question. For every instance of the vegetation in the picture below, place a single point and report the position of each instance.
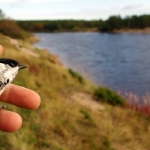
(2, 15)
(76, 76)
(59, 25)
(10, 28)
(133, 22)
(106, 95)
(62, 122)
(109, 25)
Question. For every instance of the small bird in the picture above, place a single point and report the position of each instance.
(8, 71)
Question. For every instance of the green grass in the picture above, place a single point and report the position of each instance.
(104, 94)
(77, 76)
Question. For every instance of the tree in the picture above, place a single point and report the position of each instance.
(2, 15)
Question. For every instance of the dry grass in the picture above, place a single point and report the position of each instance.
(62, 124)
(140, 105)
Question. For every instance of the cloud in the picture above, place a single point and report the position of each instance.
(43, 1)
(8, 1)
(128, 7)
(32, 1)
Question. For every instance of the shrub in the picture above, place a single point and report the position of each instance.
(76, 76)
(109, 96)
(10, 28)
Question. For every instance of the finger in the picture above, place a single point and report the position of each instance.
(21, 97)
(1, 49)
(9, 121)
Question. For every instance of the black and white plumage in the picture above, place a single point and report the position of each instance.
(8, 71)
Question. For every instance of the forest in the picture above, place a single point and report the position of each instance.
(112, 23)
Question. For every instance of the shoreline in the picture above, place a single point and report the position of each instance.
(57, 57)
(35, 39)
(132, 31)
(114, 31)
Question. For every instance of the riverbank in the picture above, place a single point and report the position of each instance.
(135, 31)
(69, 117)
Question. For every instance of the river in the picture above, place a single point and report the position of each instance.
(118, 61)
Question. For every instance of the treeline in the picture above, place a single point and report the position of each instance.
(133, 22)
(59, 25)
(112, 23)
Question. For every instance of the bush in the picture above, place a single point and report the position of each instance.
(10, 28)
(106, 95)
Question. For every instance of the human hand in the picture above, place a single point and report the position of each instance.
(19, 96)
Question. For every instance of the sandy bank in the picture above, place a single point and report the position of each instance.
(144, 31)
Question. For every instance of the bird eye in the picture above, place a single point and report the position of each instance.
(7, 80)
(12, 65)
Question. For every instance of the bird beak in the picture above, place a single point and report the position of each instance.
(22, 67)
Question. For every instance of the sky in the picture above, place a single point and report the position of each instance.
(72, 9)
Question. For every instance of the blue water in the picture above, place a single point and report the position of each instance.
(118, 61)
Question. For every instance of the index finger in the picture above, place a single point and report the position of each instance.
(21, 97)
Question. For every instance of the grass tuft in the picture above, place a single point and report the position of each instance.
(106, 95)
(76, 76)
